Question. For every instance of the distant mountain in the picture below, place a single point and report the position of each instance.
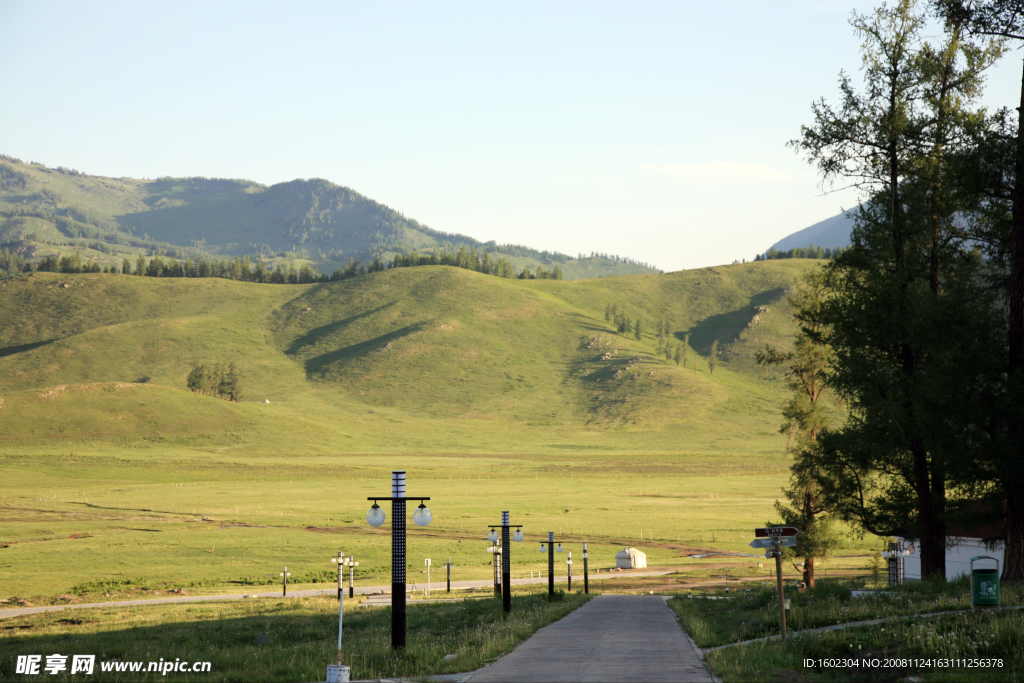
(829, 234)
(46, 211)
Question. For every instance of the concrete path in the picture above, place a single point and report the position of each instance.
(437, 589)
(611, 638)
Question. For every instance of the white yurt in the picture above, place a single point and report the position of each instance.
(631, 558)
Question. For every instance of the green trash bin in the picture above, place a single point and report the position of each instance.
(984, 584)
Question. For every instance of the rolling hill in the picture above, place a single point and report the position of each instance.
(413, 360)
(46, 211)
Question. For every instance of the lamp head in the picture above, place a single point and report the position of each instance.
(375, 516)
(492, 535)
(423, 516)
(518, 535)
(559, 548)
(542, 548)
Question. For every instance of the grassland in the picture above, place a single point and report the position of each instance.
(288, 640)
(493, 394)
(924, 634)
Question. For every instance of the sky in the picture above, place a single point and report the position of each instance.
(651, 130)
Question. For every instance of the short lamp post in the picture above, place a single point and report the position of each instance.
(343, 562)
(495, 550)
(427, 562)
(375, 517)
(895, 555)
(339, 673)
(352, 564)
(568, 571)
(284, 582)
(506, 560)
(551, 562)
(448, 565)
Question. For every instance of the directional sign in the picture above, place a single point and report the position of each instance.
(773, 531)
(769, 542)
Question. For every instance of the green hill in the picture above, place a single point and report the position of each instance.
(46, 211)
(429, 359)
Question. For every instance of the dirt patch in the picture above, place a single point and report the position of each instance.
(53, 393)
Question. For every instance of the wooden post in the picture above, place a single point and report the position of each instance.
(777, 549)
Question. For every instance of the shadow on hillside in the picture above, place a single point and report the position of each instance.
(11, 350)
(318, 365)
(318, 333)
(726, 327)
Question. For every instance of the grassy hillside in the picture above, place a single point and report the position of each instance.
(431, 346)
(494, 394)
(44, 209)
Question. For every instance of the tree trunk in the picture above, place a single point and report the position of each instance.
(1013, 557)
(1013, 566)
(931, 504)
(809, 571)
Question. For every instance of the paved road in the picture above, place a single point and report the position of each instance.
(437, 587)
(611, 638)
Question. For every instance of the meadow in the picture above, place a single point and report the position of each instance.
(927, 633)
(290, 640)
(493, 394)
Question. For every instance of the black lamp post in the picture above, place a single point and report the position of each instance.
(551, 562)
(586, 574)
(375, 517)
(568, 571)
(506, 560)
(448, 565)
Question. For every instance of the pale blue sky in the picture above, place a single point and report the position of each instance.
(652, 130)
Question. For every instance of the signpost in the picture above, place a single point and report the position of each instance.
(776, 537)
(428, 575)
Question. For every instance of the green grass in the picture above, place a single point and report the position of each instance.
(755, 613)
(920, 649)
(488, 395)
(287, 640)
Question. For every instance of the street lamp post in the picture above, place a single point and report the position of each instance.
(448, 565)
(551, 562)
(495, 550)
(895, 555)
(343, 562)
(506, 560)
(284, 582)
(338, 672)
(340, 561)
(568, 571)
(586, 574)
(375, 517)
(352, 564)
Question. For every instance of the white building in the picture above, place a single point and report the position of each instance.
(962, 543)
(630, 558)
(959, 552)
